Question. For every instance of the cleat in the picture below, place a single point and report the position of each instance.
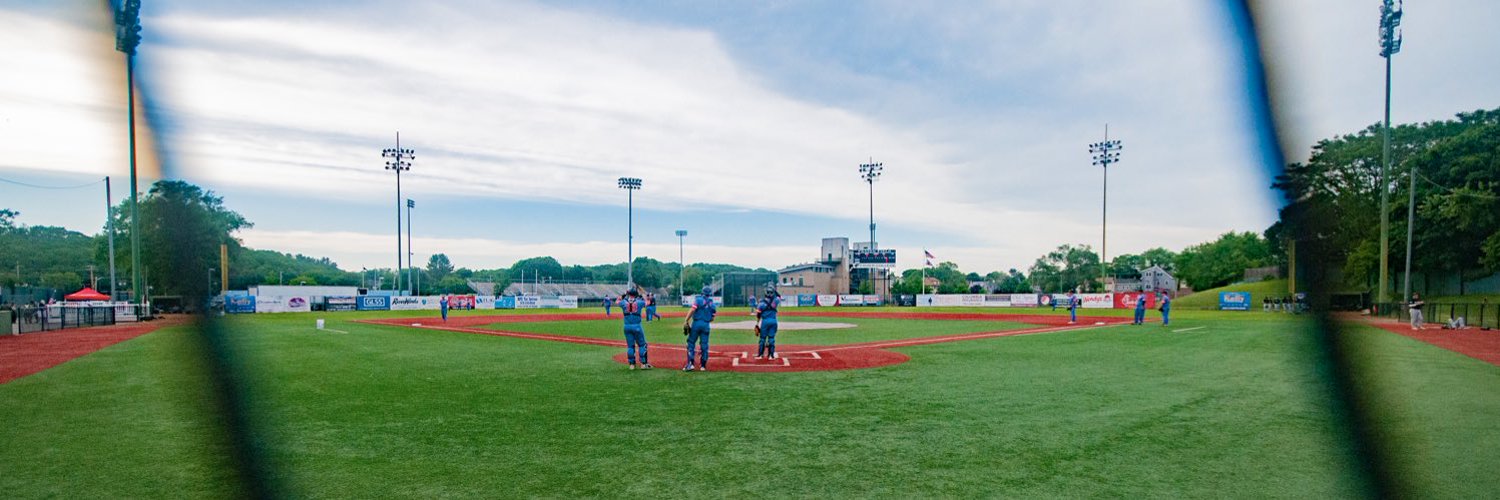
(646, 366)
(632, 366)
(703, 368)
(687, 368)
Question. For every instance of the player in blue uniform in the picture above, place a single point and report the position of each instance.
(766, 311)
(631, 306)
(1140, 309)
(608, 302)
(1165, 308)
(1073, 303)
(699, 317)
(443, 306)
(651, 307)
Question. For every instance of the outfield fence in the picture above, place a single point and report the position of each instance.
(1481, 315)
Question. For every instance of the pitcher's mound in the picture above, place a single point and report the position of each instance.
(782, 325)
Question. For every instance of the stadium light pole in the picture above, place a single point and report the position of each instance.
(1390, 44)
(127, 38)
(109, 227)
(400, 159)
(630, 185)
(869, 172)
(1105, 153)
(411, 265)
(681, 264)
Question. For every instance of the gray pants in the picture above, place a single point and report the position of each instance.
(1416, 318)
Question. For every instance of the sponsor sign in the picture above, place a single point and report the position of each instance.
(237, 304)
(268, 304)
(413, 303)
(906, 300)
(567, 301)
(505, 302)
(872, 300)
(971, 300)
(1234, 301)
(997, 300)
(936, 300)
(1024, 300)
(828, 300)
(1126, 300)
(461, 302)
(807, 299)
(340, 304)
(1097, 300)
(687, 301)
(873, 259)
(528, 302)
(373, 303)
(851, 300)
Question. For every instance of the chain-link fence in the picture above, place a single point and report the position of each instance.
(29, 319)
(1480, 315)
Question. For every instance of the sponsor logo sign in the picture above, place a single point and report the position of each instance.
(687, 301)
(461, 302)
(528, 302)
(997, 300)
(269, 304)
(505, 302)
(828, 300)
(237, 304)
(872, 300)
(807, 299)
(851, 300)
(1097, 300)
(1024, 300)
(1126, 300)
(873, 259)
(1234, 301)
(374, 303)
(567, 302)
(971, 300)
(340, 304)
(413, 303)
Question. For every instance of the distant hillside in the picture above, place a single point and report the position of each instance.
(1209, 299)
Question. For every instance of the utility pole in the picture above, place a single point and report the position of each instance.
(411, 265)
(630, 185)
(1105, 153)
(681, 264)
(399, 161)
(1390, 44)
(109, 227)
(127, 38)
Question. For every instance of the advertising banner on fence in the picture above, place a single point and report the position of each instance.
(567, 301)
(413, 303)
(851, 300)
(1024, 300)
(1097, 300)
(528, 302)
(265, 304)
(828, 300)
(374, 303)
(1126, 300)
(872, 300)
(997, 300)
(505, 302)
(462, 302)
(807, 299)
(340, 304)
(239, 304)
(687, 301)
(1235, 301)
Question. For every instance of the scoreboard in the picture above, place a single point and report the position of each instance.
(873, 259)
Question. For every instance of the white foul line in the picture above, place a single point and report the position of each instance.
(1189, 329)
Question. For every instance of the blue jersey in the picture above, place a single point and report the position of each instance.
(1140, 302)
(631, 308)
(705, 309)
(1073, 302)
(768, 308)
(1166, 303)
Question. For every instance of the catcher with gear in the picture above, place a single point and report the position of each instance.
(766, 329)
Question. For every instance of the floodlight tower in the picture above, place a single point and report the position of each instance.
(1105, 153)
(1390, 44)
(400, 159)
(869, 172)
(127, 37)
(630, 185)
(681, 264)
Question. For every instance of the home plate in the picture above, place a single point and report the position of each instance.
(782, 325)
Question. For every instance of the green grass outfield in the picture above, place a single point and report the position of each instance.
(867, 330)
(1231, 408)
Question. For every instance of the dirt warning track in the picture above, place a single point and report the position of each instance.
(741, 358)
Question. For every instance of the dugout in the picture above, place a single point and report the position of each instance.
(738, 287)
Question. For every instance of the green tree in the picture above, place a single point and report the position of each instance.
(527, 270)
(182, 227)
(438, 267)
(1222, 261)
(66, 282)
(1066, 268)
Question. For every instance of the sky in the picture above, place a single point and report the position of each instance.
(747, 121)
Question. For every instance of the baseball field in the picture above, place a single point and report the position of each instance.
(498, 404)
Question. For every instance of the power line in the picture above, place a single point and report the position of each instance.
(38, 186)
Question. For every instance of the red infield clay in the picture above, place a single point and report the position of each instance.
(33, 352)
(740, 358)
(1473, 342)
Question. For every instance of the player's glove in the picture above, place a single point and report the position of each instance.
(757, 331)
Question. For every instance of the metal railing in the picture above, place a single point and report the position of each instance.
(1480, 315)
(31, 319)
